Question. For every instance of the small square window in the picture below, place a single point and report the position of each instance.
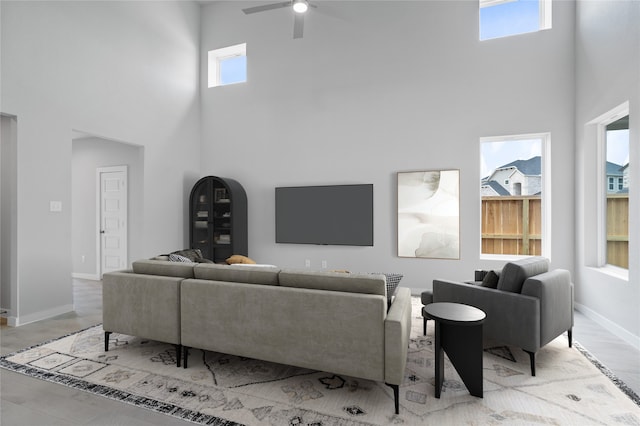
(228, 65)
(503, 18)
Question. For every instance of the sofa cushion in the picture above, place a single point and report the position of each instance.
(250, 274)
(335, 281)
(515, 273)
(163, 267)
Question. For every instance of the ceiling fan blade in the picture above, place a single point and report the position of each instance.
(266, 7)
(298, 25)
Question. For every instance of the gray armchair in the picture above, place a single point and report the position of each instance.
(529, 307)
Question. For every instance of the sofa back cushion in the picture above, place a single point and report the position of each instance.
(163, 267)
(335, 281)
(243, 273)
(515, 273)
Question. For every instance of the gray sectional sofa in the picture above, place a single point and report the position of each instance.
(327, 321)
(527, 305)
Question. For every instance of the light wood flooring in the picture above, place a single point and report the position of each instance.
(32, 402)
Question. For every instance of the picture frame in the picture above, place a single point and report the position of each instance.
(429, 214)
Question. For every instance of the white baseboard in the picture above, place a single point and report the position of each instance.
(609, 325)
(38, 316)
(81, 276)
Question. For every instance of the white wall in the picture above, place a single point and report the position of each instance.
(607, 75)
(378, 87)
(88, 154)
(8, 214)
(124, 70)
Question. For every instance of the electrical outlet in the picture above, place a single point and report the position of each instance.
(324, 264)
(307, 263)
(55, 206)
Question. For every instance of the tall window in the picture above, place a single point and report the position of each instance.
(502, 18)
(616, 139)
(512, 188)
(228, 65)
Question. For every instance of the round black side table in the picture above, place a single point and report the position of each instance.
(458, 333)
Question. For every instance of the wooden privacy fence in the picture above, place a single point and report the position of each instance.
(513, 225)
(618, 230)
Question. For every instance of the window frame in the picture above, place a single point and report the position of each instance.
(601, 123)
(215, 59)
(545, 16)
(545, 199)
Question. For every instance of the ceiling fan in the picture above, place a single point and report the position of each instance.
(300, 7)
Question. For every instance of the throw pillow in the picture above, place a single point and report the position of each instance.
(393, 280)
(490, 280)
(203, 260)
(191, 254)
(177, 258)
(238, 258)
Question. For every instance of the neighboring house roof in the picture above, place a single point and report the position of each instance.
(499, 189)
(614, 169)
(530, 167)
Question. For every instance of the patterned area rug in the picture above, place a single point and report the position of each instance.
(571, 387)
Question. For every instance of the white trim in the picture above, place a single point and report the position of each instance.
(609, 325)
(489, 3)
(38, 316)
(545, 14)
(81, 276)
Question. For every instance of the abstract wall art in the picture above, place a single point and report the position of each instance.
(429, 214)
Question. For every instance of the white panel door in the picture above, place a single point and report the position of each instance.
(113, 218)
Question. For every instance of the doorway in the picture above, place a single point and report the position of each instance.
(91, 154)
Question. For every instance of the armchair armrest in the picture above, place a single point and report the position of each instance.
(554, 289)
(397, 327)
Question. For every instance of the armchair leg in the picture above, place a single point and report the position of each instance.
(532, 359)
(185, 351)
(106, 341)
(570, 335)
(396, 396)
(178, 354)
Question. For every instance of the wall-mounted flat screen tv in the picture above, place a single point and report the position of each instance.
(332, 214)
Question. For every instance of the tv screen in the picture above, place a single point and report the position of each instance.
(334, 214)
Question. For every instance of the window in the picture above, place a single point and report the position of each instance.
(228, 65)
(616, 140)
(515, 217)
(503, 18)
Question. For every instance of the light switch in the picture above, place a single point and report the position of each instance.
(55, 206)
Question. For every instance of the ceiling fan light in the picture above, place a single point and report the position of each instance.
(300, 6)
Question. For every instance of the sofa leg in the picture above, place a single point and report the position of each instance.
(396, 396)
(532, 359)
(185, 351)
(178, 355)
(106, 341)
(570, 335)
